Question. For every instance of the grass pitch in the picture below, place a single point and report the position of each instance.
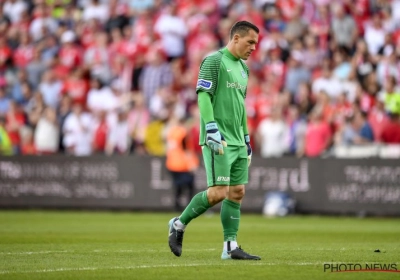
(106, 245)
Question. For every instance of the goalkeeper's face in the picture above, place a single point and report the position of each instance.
(246, 44)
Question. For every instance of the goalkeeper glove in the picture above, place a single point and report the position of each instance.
(214, 139)
(249, 151)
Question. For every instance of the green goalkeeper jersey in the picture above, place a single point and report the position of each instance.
(225, 78)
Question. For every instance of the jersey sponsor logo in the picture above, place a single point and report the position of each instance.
(204, 84)
(244, 75)
(224, 179)
(235, 85)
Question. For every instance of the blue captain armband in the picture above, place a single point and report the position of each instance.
(204, 84)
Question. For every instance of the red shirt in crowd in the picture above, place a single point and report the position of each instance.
(70, 57)
(391, 133)
(23, 55)
(100, 136)
(76, 89)
(5, 54)
(317, 138)
(13, 122)
(378, 120)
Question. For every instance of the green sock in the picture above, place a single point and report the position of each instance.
(230, 218)
(197, 206)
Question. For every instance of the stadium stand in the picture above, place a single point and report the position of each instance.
(105, 76)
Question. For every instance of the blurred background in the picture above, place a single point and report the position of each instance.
(96, 94)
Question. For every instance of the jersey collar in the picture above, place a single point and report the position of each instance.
(226, 52)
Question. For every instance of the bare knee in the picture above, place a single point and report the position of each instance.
(216, 194)
(236, 193)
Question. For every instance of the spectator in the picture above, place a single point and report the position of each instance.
(342, 66)
(391, 96)
(138, 120)
(344, 29)
(13, 9)
(16, 88)
(4, 102)
(378, 118)
(76, 86)
(15, 119)
(97, 11)
(24, 52)
(5, 53)
(327, 83)
(43, 23)
(35, 108)
(118, 140)
(363, 62)
(50, 50)
(296, 73)
(96, 58)
(153, 139)
(320, 26)
(391, 131)
(63, 111)
(375, 34)
(117, 18)
(356, 131)
(156, 74)
(6, 147)
(273, 135)
(295, 27)
(100, 133)
(318, 135)
(100, 97)
(303, 99)
(77, 132)
(69, 54)
(173, 31)
(47, 133)
(313, 55)
(27, 145)
(297, 131)
(35, 69)
(50, 87)
(388, 67)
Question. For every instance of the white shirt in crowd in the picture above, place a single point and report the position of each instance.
(14, 9)
(274, 137)
(78, 133)
(102, 99)
(396, 12)
(375, 38)
(38, 24)
(118, 137)
(173, 31)
(99, 12)
(331, 86)
(47, 135)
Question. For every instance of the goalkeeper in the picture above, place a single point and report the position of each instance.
(224, 137)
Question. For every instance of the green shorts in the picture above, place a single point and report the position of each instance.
(229, 169)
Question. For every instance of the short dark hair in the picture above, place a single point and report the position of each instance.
(242, 28)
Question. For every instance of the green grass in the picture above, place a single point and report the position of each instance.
(104, 245)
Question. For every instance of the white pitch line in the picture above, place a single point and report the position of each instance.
(227, 263)
(100, 251)
(32, 253)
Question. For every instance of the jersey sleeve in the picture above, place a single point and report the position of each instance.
(208, 76)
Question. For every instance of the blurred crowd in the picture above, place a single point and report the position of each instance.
(84, 77)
